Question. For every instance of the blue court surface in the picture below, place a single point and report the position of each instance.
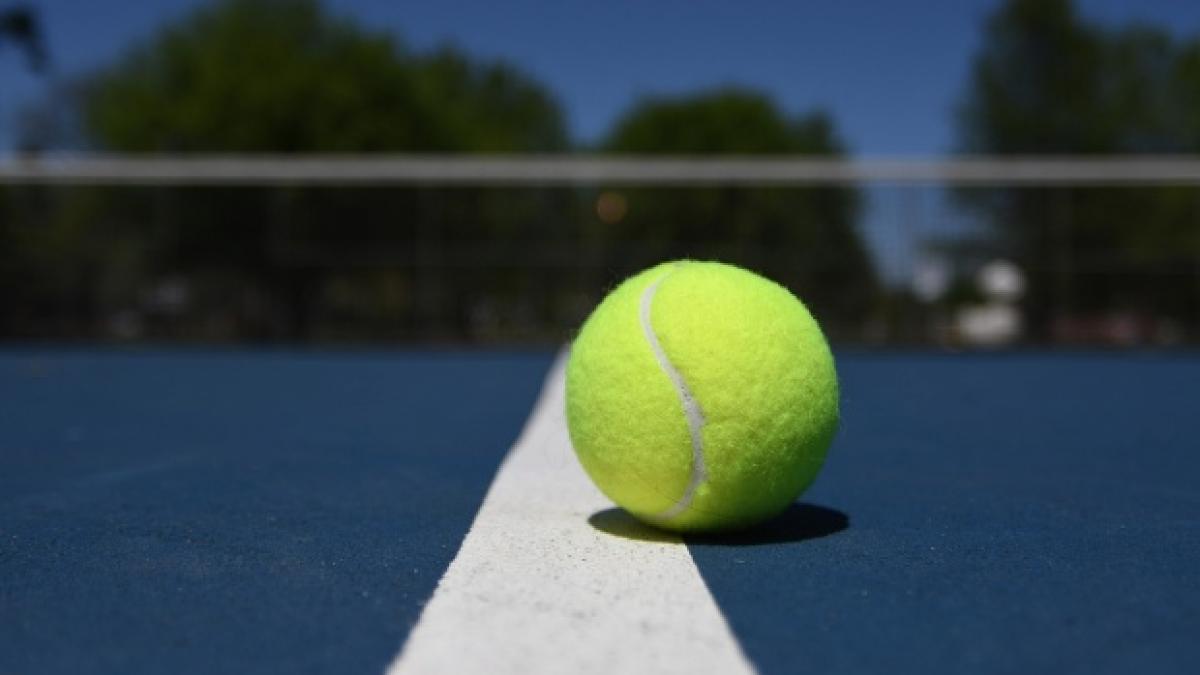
(293, 511)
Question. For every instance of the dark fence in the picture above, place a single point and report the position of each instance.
(517, 250)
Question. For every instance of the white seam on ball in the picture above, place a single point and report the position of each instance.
(691, 408)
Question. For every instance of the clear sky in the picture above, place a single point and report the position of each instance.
(890, 72)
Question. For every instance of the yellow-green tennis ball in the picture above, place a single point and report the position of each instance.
(701, 396)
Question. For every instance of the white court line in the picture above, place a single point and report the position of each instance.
(535, 588)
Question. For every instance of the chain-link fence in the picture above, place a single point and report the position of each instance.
(517, 250)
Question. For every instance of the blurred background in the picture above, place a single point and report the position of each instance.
(887, 167)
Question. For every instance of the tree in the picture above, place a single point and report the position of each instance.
(804, 238)
(1048, 82)
(285, 76)
(1036, 84)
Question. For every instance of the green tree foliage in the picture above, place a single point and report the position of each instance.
(285, 76)
(805, 238)
(1035, 85)
(1046, 81)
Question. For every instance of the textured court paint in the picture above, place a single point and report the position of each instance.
(1013, 513)
(536, 588)
(238, 512)
(224, 512)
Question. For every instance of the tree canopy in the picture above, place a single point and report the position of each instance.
(726, 121)
(286, 76)
(1047, 81)
(805, 238)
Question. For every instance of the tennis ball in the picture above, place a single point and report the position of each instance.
(701, 396)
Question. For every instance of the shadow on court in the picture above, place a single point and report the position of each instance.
(799, 522)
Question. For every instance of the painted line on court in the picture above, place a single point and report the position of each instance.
(536, 588)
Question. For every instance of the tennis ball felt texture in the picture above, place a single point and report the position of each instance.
(701, 396)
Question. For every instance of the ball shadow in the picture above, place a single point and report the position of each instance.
(800, 522)
(619, 523)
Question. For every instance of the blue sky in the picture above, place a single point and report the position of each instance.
(890, 72)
